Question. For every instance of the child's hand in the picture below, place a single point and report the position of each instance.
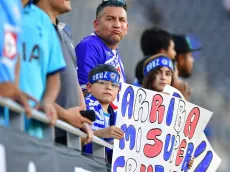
(114, 132)
(190, 163)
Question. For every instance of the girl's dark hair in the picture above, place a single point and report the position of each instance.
(150, 77)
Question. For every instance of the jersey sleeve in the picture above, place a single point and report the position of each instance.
(88, 56)
(56, 58)
(10, 41)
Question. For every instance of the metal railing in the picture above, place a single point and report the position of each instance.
(16, 120)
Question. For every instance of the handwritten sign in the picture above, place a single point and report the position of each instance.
(160, 131)
(205, 157)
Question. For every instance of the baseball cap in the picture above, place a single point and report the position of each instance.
(186, 43)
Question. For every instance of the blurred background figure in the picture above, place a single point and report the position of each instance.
(70, 99)
(10, 48)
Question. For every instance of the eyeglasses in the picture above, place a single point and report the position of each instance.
(107, 83)
(122, 2)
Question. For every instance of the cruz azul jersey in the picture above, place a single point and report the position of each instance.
(92, 51)
(10, 18)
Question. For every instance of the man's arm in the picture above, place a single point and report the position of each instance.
(10, 90)
(50, 95)
(72, 116)
(81, 98)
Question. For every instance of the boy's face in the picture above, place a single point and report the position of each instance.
(171, 50)
(104, 91)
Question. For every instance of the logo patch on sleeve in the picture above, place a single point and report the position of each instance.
(10, 45)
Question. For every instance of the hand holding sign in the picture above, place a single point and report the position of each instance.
(110, 132)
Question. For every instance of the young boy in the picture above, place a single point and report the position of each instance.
(103, 86)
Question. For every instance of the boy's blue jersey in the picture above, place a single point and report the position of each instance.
(41, 51)
(92, 51)
(10, 18)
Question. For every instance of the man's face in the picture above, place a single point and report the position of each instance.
(171, 50)
(188, 65)
(61, 6)
(111, 25)
(185, 64)
(104, 91)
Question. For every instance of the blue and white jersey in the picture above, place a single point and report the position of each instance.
(10, 19)
(92, 51)
(41, 51)
(102, 119)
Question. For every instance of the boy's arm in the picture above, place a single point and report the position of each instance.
(109, 132)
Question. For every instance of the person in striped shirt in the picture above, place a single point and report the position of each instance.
(103, 87)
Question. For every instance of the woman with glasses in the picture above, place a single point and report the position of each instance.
(103, 86)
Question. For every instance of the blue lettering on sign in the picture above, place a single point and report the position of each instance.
(159, 168)
(203, 166)
(167, 154)
(200, 149)
(130, 134)
(176, 95)
(169, 116)
(127, 103)
(187, 157)
(119, 162)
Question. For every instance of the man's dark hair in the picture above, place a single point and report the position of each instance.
(139, 71)
(153, 40)
(111, 3)
(102, 68)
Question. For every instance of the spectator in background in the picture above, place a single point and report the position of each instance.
(101, 47)
(70, 99)
(185, 46)
(184, 57)
(41, 63)
(154, 41)
(103, 86)
(10, 40)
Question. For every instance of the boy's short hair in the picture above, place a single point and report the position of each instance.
(111, 3)
(153, 40)
(102, 68)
